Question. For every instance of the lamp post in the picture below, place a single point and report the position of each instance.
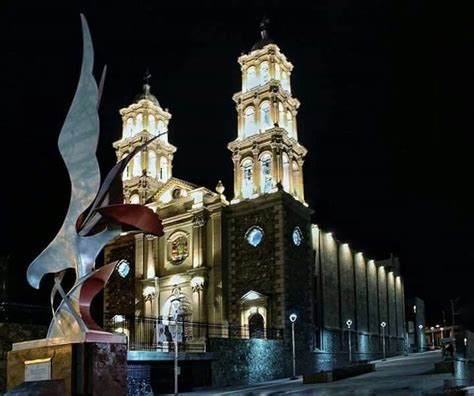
(176, 304)
(293, 318)
(383, 325)
(349, 323)
(421, 337)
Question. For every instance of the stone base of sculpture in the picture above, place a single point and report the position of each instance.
(93, 363)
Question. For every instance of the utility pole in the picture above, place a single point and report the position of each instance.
(452, 317)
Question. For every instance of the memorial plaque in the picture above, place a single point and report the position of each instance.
(38, 370)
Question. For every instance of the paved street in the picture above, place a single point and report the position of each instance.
(407, 375)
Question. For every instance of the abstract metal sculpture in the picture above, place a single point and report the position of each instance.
(96, 213)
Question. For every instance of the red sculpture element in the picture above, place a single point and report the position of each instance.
(90, 288)
(137, 216)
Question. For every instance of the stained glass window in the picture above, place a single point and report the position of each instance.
(254, 236)
(297, 236)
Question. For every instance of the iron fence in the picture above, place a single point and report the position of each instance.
(159, 334)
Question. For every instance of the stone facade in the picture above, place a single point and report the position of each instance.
(246, 361)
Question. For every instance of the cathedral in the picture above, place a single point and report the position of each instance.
(232, 267)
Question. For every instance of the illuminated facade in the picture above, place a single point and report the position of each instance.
(185, 262)
(266, 150)
(251, 262)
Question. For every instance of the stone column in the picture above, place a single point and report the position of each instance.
(276, 173)
(257, 182)
(197, 284)
(291, 185)
(237, 175)
(240, 122)
(295, 129)
(274, 111)
(257, 111)
(300, 179)
(150, 263)
(170, 166)
(198, 240)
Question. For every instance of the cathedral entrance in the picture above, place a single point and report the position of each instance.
(256, 326)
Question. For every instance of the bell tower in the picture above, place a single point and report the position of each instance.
(150, 168)
(266, 151)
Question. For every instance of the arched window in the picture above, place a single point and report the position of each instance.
(251, 77)
(277, 72)
(265, 117)
(289, 123)
(247, 178)
(285, 82)
(256, 326)
(250, 126)
(163, 169)
(126, 172)
(151, 124)
(264, 73)
(139, 123)
(152, 164)
(286, 172)
(135, 199)
(129, 128)
(137, 165)
(266, 172)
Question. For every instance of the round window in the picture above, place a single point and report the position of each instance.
(123, 268)
(297, 236)
(254, 236)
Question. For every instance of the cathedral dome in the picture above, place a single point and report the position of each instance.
(146, 94)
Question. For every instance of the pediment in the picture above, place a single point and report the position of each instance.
(253, 295)
(176, 190)
(169, 191)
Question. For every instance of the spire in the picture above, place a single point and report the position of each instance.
(265, 37)
(263, 27)
(146, 94)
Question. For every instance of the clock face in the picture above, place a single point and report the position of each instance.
(123, 268)
(254, 236)
(297, 236)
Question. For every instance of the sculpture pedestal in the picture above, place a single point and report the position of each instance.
(89, 364)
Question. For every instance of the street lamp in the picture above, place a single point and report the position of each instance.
(383, 325)
(293, 318)
(421, 338)
(349, 323)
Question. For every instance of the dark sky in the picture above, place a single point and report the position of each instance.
(385, 88)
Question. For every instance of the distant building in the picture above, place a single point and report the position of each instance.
(234, 271)
(416, 325)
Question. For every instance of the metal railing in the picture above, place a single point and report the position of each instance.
(158, 334)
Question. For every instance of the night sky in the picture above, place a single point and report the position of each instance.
(386, 92)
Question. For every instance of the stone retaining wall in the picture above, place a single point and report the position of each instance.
(246, 361)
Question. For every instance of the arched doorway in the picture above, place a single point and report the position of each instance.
(256, 326)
